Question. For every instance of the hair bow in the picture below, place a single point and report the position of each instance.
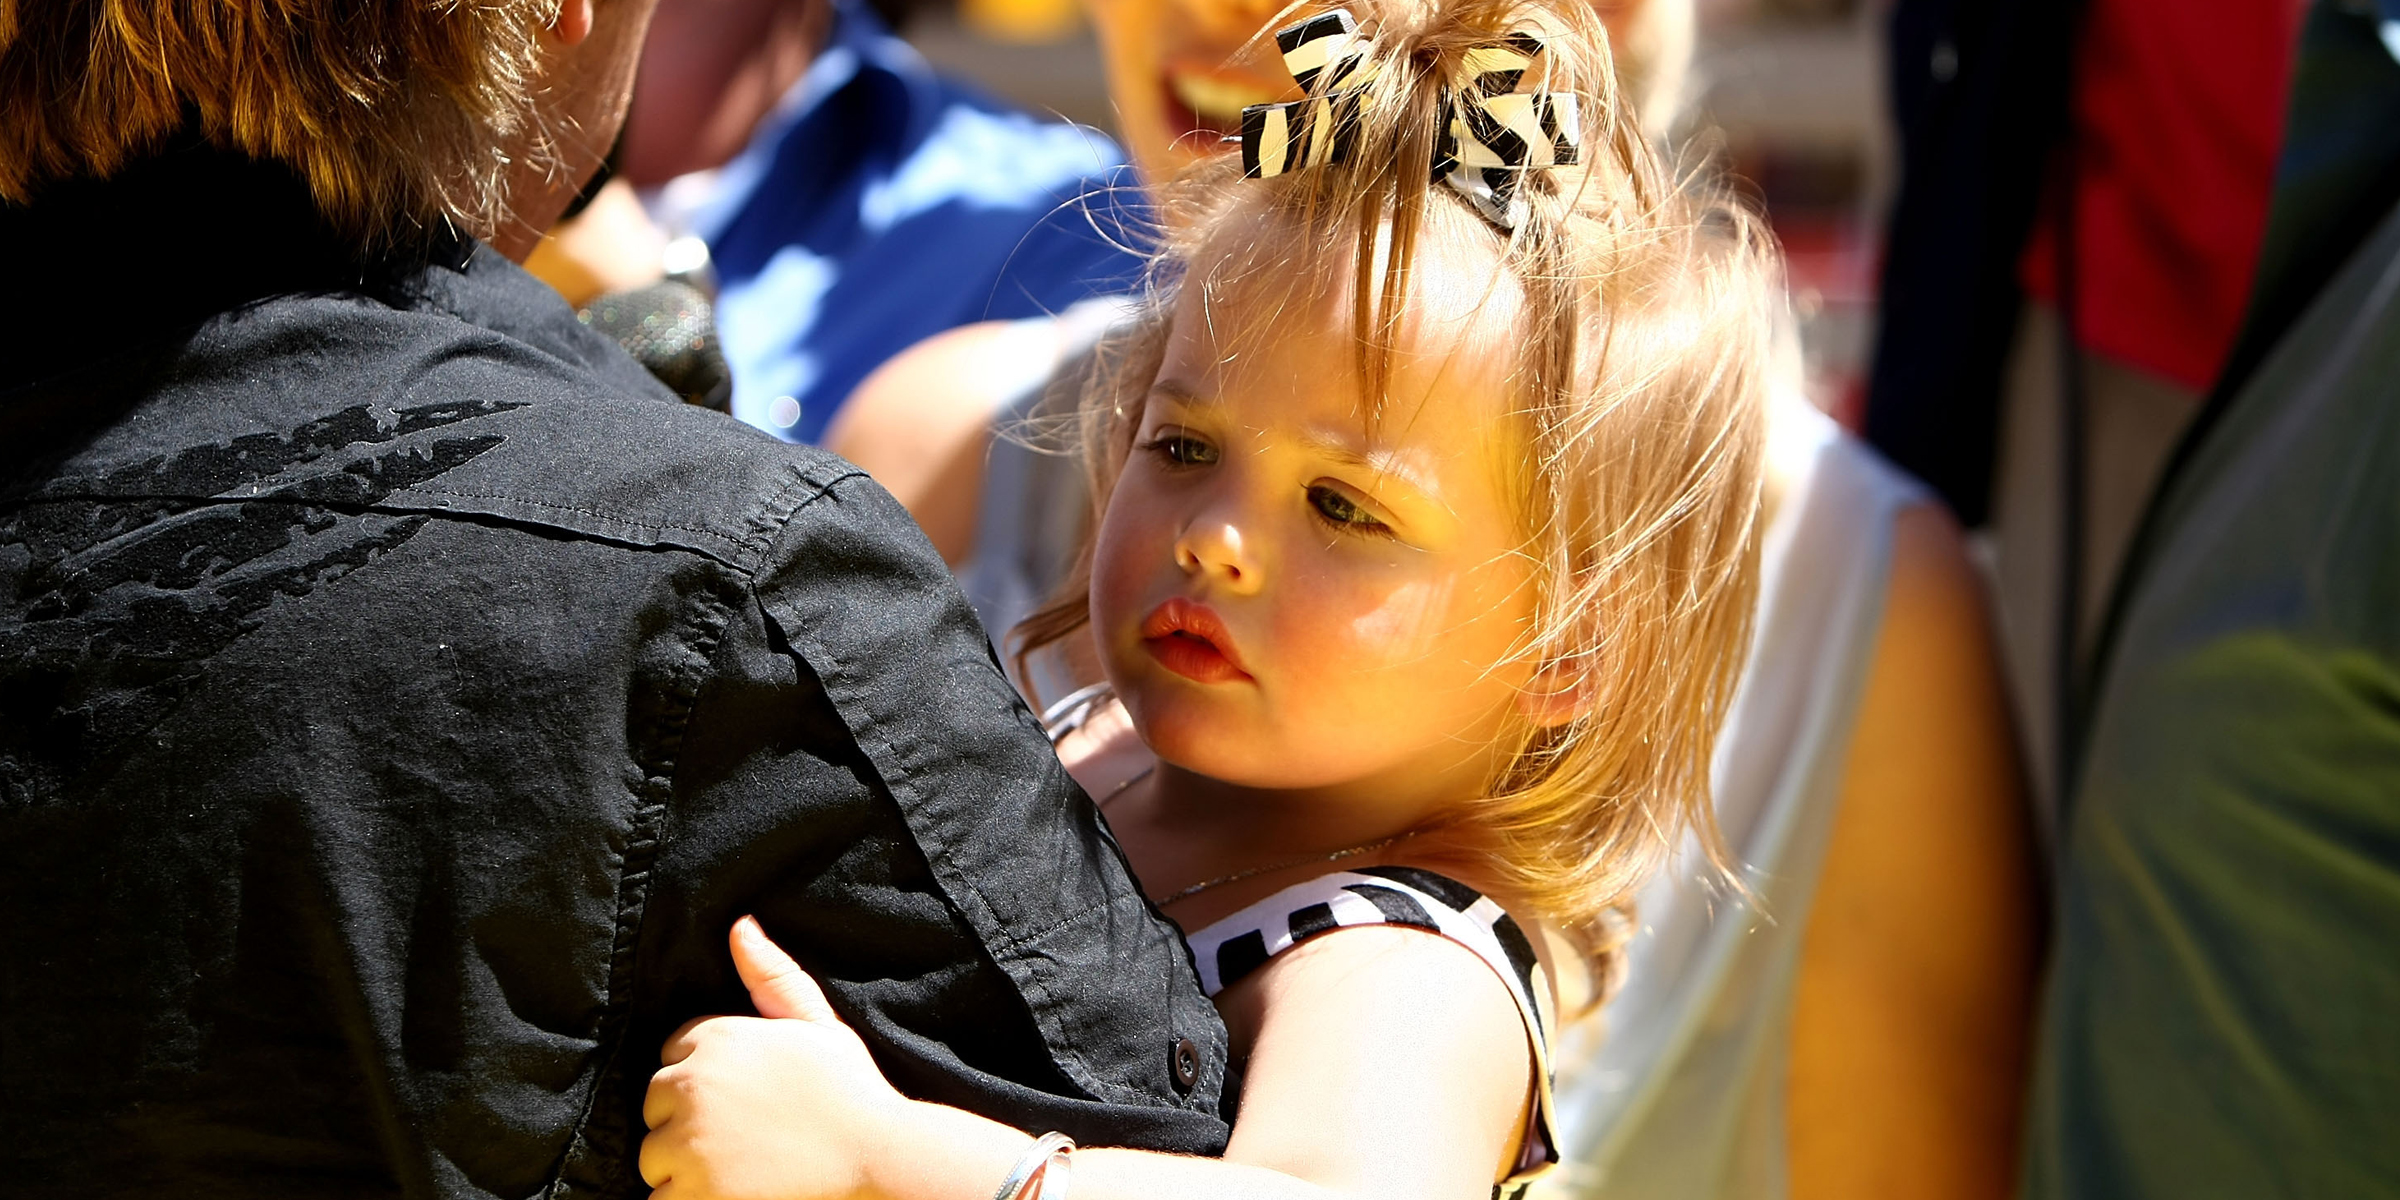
(1331, 61)
(1491, 134)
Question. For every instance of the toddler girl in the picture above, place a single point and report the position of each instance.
(1420, 585)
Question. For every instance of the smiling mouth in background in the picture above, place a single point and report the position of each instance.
(1209, 105)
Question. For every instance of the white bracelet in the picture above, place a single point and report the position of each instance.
(1031, 1177)
(1051, 1182)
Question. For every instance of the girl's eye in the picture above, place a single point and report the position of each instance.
(1181, 449)
(1337, 509)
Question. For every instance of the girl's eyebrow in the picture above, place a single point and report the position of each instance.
(1340, 450)
(1178, 391)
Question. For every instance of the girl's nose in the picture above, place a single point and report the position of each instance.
(1214, 546)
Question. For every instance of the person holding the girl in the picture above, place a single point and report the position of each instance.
(1422, 583)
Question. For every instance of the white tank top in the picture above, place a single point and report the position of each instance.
(1677, 1091)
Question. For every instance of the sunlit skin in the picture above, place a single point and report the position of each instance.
(1345, 586)
(1362, 570)
(1163, 55)
(588, 57)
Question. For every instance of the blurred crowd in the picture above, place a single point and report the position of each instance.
(2062, 785)
(2063, 776)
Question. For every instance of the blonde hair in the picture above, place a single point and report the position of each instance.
(1647, 300)
(395, 114)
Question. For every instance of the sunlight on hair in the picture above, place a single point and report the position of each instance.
(390, 113)
(1639, 302)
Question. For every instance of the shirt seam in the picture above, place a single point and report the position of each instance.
(897, 775)
(648, 837)
(748, 546)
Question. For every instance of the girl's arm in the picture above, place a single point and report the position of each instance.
(1385, 1063)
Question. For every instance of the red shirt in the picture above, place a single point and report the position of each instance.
(2178, 112)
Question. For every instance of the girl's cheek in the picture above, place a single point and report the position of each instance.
(1112, 590)
(1387, 625)
(1129, 536)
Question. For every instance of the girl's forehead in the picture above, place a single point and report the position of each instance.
(1270, 289)
(1262, 270)
(1443, 422)
(1253, 310)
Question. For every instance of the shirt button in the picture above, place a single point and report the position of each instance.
(1187, 1064)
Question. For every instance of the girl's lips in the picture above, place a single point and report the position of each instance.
(1188, 639)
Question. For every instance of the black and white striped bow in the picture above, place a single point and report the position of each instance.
(1330, 59)
(1492, 134)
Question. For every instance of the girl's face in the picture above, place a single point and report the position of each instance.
(1289, 595)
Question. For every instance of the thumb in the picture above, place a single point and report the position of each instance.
(778, 987)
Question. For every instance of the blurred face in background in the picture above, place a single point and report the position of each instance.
(711, 70)
(1180, 77)
(1173, 72)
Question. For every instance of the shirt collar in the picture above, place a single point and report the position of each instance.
(205, 231)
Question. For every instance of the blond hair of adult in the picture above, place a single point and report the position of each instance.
(1644, 305)
(394, 115)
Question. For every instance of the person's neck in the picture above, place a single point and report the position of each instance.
(711, 76)
(1290, 820)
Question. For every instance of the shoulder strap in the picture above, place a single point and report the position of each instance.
(1232, 948)
(1073, 709)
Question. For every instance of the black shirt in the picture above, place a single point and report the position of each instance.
(400, 696)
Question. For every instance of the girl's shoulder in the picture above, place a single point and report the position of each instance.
(1238, 946)
(1411, 897)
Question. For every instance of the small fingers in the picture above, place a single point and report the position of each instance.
(656, 1161)
(680, 1044)
(778, 986)
(660, 1102)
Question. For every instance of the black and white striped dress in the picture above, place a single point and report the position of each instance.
(1418, 899)
(1408, 896)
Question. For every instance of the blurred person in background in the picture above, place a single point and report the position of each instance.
(2218, 1019)
(1857, 1027)
(2083, 193)
(400, 692)
(852, 200)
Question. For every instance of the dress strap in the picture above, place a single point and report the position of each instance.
(1073, 709)
(1234, 947)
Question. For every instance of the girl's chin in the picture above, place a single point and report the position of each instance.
(1206, 743)
(1245, 757)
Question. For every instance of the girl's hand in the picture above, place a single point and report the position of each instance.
(785, 1105)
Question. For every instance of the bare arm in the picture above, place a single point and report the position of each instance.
(1384, 1063)
(1917, 971)
(921, 424)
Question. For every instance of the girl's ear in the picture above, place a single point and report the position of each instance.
(1558, 693)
